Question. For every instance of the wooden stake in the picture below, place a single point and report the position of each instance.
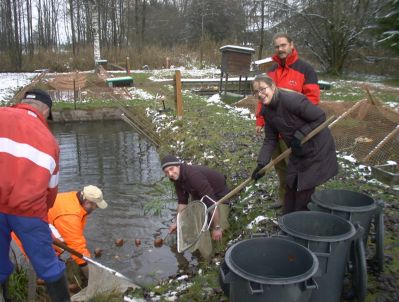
(178, 95)
(382, 143)
(127, 65)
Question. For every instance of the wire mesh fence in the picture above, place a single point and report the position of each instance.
(366, 130)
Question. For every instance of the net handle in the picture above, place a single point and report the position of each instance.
(283, 155)
(62, 245)
(214, 206)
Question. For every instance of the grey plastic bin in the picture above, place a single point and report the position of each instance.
(269, 269)
(330, 238)
(357, 208)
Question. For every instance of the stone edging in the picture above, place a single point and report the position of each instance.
(71, 115)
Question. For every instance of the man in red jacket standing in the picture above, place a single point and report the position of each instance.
(291, 73)
(29, 170)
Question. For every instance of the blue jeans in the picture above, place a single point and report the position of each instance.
(35, 236)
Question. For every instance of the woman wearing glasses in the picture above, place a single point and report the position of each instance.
(292, 116)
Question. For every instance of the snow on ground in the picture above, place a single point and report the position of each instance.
(10, 83)
(167, 74)
(243, 112)
(141, 94)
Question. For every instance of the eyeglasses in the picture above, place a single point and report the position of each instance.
(262, 90)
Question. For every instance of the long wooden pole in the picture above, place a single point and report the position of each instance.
(283, 155)
(382, 143)
(88, 259)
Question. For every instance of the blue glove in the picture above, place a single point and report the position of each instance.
(255, 174)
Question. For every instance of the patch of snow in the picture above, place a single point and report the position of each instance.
(167, 74)
(349, 158)
(259, 219)
(10, 83)
(242, 112)
(141, 94)
(183, 277)
(128, 299)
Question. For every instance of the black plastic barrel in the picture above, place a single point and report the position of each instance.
(329, 237)
(353, 206)
(357, 208)
(269, 269)
(360, 209)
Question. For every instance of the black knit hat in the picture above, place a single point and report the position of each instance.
(41, 96)
(169, 160)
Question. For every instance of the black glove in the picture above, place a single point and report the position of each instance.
(255, 174)
(295, 144)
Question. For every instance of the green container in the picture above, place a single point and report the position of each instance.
(120, 81)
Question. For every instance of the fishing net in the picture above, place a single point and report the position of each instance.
(102, 281)
(192, 225)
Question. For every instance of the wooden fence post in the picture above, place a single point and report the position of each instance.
(178, 95)
(128, 65)
(75, 94)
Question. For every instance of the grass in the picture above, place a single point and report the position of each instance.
(353, 89)
(18, 285)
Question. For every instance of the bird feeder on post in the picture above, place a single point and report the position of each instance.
(236, 60)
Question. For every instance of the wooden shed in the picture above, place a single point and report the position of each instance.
(236, 60)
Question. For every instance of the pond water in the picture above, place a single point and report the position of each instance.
(126, 167)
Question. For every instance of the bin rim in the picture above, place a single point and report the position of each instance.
(337, 238)
(342, 208)
(268, 280)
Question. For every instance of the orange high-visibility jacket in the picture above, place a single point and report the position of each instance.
(69, 218)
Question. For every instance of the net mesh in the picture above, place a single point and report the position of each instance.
(102, 281)
(368, 131)
(190, 224)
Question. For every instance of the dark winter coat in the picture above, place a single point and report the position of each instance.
(199, 181)
(287, 113)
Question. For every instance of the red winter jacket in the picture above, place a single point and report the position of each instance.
(29, 159)
(296, 75)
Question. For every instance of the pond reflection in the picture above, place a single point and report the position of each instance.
(126, 167)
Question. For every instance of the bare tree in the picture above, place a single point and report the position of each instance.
(331, 30)
(73, 33)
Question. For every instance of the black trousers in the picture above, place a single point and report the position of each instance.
(296, 200)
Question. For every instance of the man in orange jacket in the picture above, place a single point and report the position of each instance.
(68, 215)
(294, 74)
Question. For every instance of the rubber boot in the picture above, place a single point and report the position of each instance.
(58, 290)
(4, 291)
